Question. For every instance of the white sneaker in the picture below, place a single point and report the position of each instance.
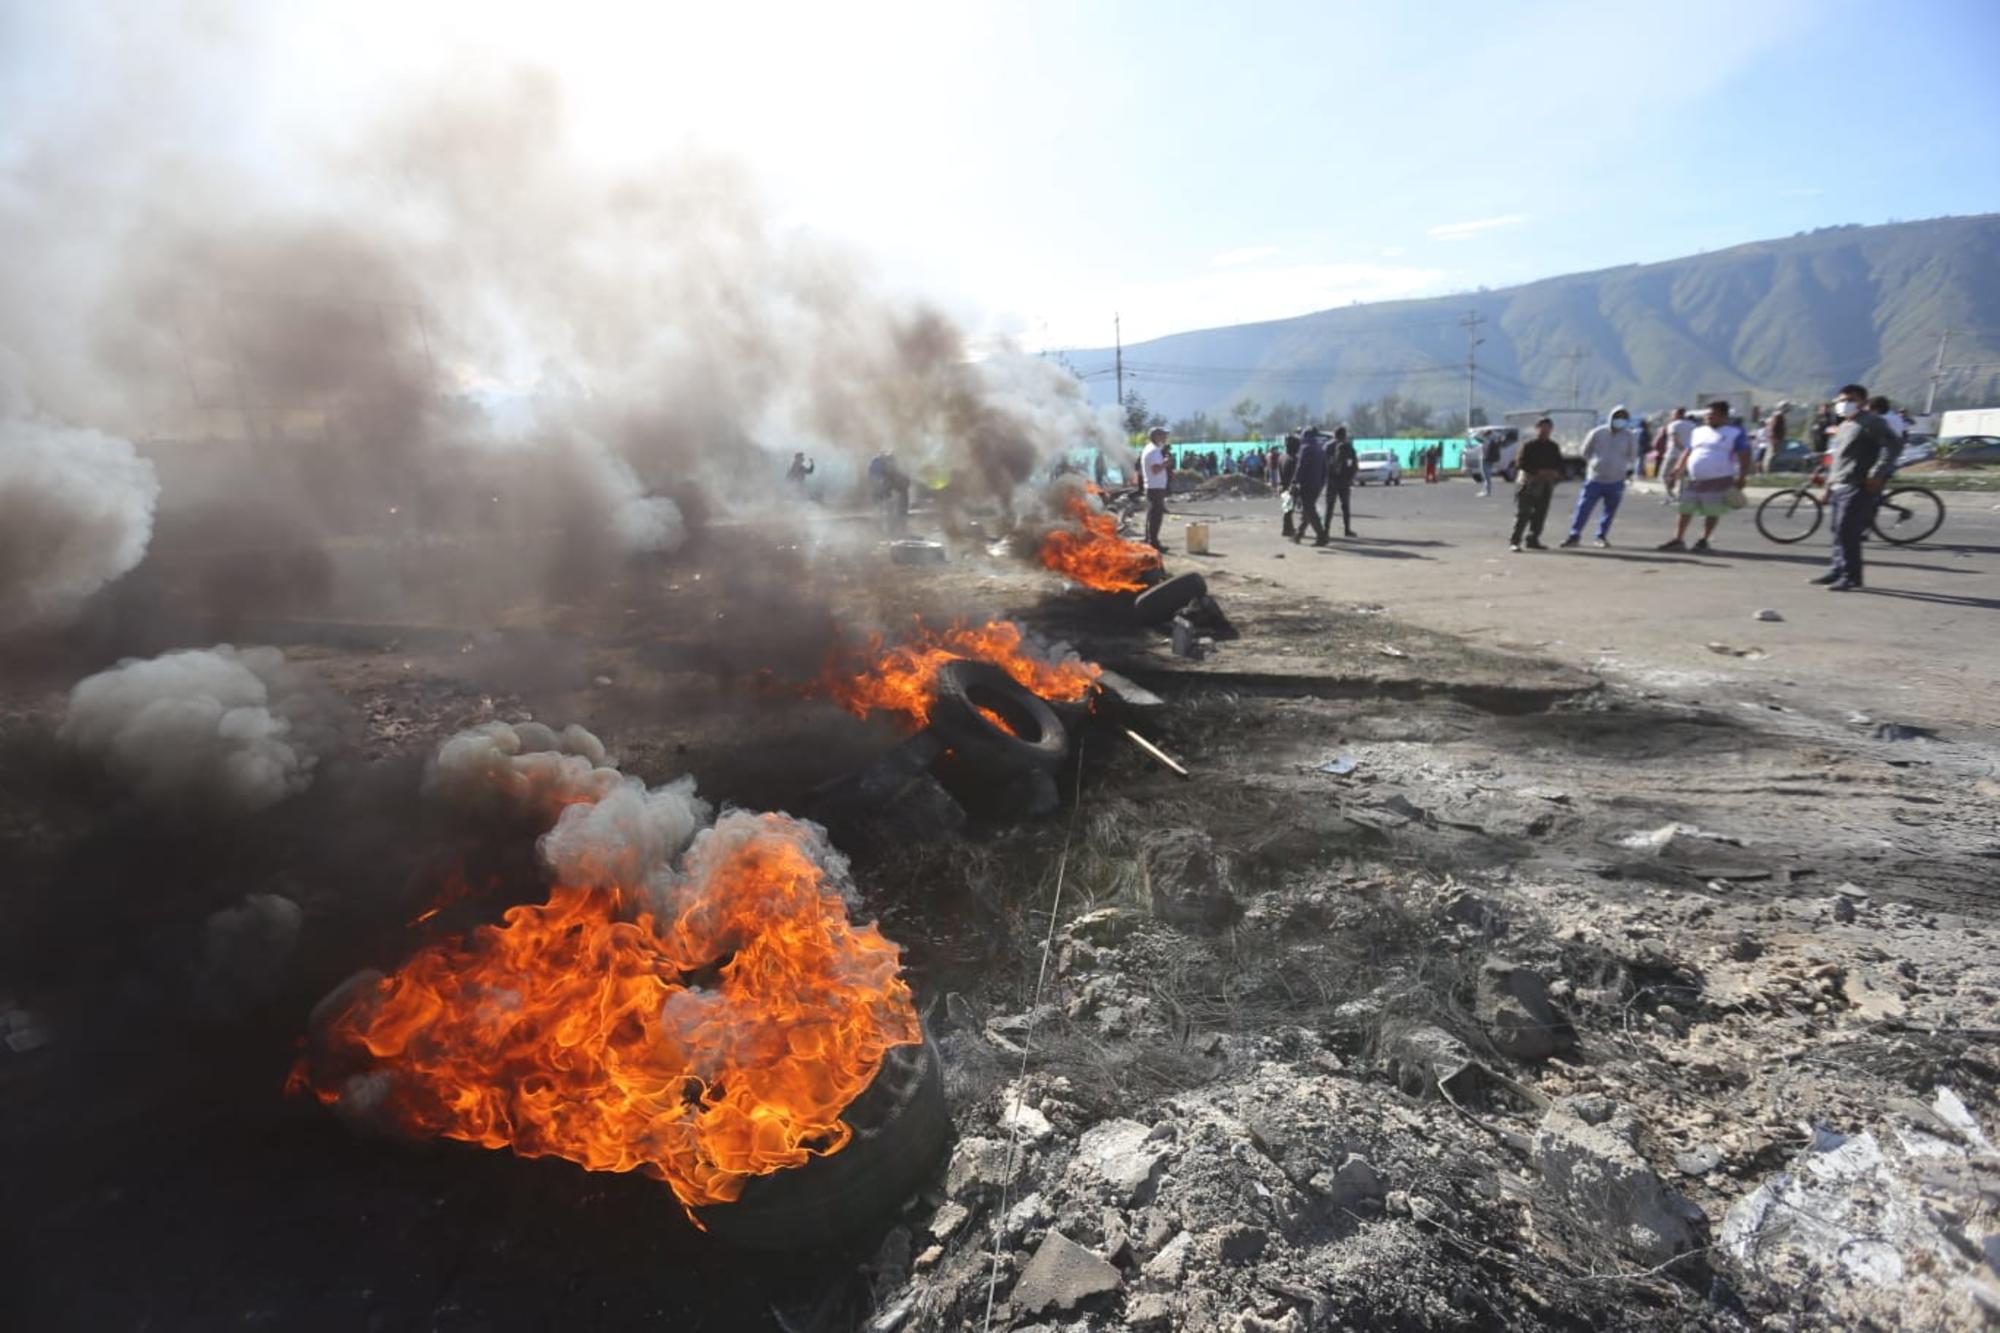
(1600, 543)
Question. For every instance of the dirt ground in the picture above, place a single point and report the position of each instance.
(1460, 985)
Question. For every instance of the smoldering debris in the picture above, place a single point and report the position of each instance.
(221, 730)
(76, 512)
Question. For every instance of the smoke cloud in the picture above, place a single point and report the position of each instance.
(76, 512)
(451, 332)
(201, 731)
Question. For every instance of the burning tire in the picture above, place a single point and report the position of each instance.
(900, 1128)
(993, 722)
(1157, 604)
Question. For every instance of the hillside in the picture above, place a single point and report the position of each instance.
(1784, 318)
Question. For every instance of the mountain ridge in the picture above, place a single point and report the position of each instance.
(1790, 317)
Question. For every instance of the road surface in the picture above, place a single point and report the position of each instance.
(1921, 645)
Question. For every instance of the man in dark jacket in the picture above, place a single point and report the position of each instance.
(1311, 480)
(1342, 466)
(1536, 472)
(1864, 452)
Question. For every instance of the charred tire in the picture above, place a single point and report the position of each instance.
(1157, 604)
(964, 688)
(900, 1129)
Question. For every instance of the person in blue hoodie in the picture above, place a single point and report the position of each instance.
(1309, 481)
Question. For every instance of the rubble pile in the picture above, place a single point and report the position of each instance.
(1419, 1102)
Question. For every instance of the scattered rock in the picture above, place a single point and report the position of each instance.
(946, 1221)
(1902, 731)
(1123, 1154)
(1513, 1007)
(1184, 880)
(1105, 927)
(1148, 1310)
(1252, 1322)
(1062, 1276)
(978, 1167)
(1698, 1161)
(1025, 1121)
(1587, 1152)
(1767, 614)
(1357, 1184)
(1171, 1262)
(1240, 1243)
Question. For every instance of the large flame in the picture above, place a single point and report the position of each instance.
(713, 1043)
(1092, 553)
(903, 679)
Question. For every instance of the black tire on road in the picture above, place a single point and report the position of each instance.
(1039, 739)
(1157, 604)
(1911, 513)
(900, 1129)
(1790, 516)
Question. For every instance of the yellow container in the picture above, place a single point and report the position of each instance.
(1197, 538)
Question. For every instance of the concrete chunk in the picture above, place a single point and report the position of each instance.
(1062, 1276)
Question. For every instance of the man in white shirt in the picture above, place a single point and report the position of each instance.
(1679, 431)
(1717, 462)
(1156, 465)
(1609, 455)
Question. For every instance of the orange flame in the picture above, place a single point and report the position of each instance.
(1094, 554)
(718, 1043)
(903, 679)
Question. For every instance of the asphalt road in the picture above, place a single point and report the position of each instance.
(1920, 645)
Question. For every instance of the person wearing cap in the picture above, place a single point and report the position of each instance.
(1342, 466)
(1157, 467)
(1309, 481)
(1610, 453)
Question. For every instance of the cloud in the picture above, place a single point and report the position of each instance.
(1392, 252)
(1460, 231)
(1249, 254)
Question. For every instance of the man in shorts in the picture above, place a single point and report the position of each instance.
(1717, 462)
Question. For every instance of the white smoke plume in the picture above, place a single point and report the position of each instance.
(214, 730)
(448, 324)
(605, 829)
(76, 512)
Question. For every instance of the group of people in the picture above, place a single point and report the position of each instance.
(1317, 468)
(1704, 467)
(1209, 463)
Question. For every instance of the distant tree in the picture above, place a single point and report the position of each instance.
(1138, 416)
(1364, 422)
(1197, 426)
(1249, 414)
(1286, 416)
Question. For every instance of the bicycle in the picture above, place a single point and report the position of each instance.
(1905, 515)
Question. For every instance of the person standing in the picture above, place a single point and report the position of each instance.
(1536, 472)
(801, 468)
(1775, 429)
(1679, 432)
(1156, 466)
(1894, 420)
(1865, 449)
(1342, 466)
(1288, 476)
(1717, 462)
(1489, 458)
(1309, 482)
(1820, 431)
(1609, 455)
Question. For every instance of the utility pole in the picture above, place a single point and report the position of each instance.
(1118, 342)
(1575, 356)
(1937, 372)
(1473, 319)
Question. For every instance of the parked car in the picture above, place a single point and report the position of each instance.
(1970, 449)
(1508, 438)
(1379, 465)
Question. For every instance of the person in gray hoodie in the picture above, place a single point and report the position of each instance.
(1610, 453)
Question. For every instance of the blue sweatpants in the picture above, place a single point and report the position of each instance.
(1611, 492)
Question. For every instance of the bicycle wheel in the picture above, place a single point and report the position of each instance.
(1908, 514)
(1789, 516)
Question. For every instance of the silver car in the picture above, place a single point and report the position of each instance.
(1377, 465)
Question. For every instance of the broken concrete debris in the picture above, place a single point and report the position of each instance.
(1062, 1276)
(1184, 879)
(1587, 1151)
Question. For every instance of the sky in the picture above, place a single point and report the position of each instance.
(1039, 167)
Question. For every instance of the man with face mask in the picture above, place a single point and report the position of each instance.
(1609, 455)
(1864, 451)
